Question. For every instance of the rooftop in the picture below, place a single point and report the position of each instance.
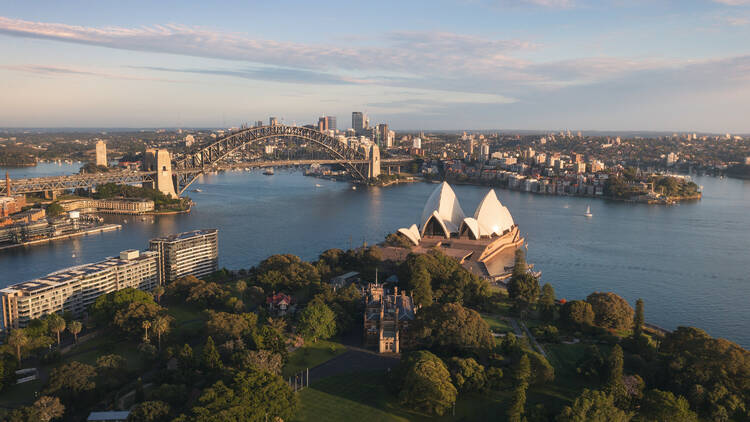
(185, 235)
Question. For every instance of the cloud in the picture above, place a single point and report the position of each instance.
(404, 51)
(48, 70)
(733, 2)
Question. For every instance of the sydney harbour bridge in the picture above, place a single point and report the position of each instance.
(173, 176)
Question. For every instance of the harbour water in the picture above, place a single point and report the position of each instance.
(690, 262)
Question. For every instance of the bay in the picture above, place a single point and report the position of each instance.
(690, 262)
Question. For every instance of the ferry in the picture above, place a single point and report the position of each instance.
(588, 212)
(197, 190)
(269, 172)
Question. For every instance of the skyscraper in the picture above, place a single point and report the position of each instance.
(381, 135)
(101, 153)
(331, 123)
(272, 121)
(358, 121)
(323, 123)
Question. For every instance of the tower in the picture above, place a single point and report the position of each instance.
(374, 166)
(101, 153)
(159, 160)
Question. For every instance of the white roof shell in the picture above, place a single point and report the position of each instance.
(412, 233)
(491, 216)
(443, 205)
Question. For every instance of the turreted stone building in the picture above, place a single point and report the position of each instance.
(387, 318)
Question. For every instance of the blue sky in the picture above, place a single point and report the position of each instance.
(674, 65)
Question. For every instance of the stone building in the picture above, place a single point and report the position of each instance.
(387, 318)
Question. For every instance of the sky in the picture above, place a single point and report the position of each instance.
(657, 65)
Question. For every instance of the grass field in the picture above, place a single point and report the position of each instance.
(312, 355)
(497, 323)
(363, 397)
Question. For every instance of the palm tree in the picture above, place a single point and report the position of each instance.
(56, 325)
(158, 292)
(75, 327)
(146, 325)
(161, 326)
(18, 340)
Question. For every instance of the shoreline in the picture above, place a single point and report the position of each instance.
(99, 229)
(666, 201)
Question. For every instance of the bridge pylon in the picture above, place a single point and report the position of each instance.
(373, 167)
(160, 161)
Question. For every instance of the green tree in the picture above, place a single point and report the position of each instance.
(185, 358)
(547, 302)
(427, 385)
(639, 319)
(520, 267)
(241, 286)
(106, 306)
(578, 314)
(71, 381)
(47, 408)
(263, 360)
(615, 363)
(317, 321)
(660, 406)
(210, 358)
(132, 318)
(54, 210)
(149, 411)
(524, 290)
(18, 340)
(252, 396)
(421, 287)
(542, 372)
(158, 293)
(451, 328)
(610, 310)
(225, 326)
(467, 374)
(518, 403)
(146, 324)
(8, 366)
(593, 406)
(75, 328)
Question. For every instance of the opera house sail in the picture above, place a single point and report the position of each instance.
(484, 243)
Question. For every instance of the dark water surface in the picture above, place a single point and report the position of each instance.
(690, 263)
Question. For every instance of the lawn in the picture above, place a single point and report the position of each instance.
(497, 323)
(364, 397)
(20, 394)
(312, 355)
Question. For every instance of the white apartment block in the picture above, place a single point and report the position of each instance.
(190, 253)
(74, 289)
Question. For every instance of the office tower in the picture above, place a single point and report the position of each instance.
(331, 123)
(272, 121)
(190, 253)
(323, 124)
(101, 153)
(358, 121)
(74, 289)
(259, 123)
(381, 135)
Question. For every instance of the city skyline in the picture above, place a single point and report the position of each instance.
(516, 64)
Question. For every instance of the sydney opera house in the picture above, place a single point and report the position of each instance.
(484, 243)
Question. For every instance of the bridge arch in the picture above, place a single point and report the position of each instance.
(190, 167)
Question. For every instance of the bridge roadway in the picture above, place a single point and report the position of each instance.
(76, 181)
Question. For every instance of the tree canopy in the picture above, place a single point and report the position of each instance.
(452, 329)
(427, 384)
(610, 310)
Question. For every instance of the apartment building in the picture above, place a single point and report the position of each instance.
(74, 289)
(195, 252)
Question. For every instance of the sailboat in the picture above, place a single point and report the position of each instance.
(588, 212)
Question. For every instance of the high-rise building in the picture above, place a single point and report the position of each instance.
(101, 153)
(417, 143)
(272, 121)
(358, 121)
(331, 123)
(323, 123)
(190, 253)
(381, 135)
(259, 123)
(74, 289)
(485, 149)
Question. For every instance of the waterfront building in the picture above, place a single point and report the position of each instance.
(11, 204)
(484, 244)
(109, 206)
(387, 318)
(189, 253)
(101, 153)
(74, 289)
